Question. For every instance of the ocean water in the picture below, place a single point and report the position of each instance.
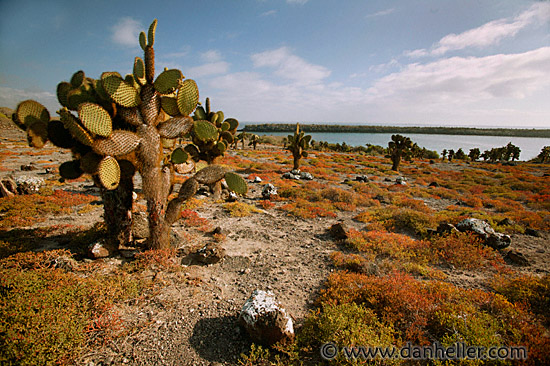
(530, 146)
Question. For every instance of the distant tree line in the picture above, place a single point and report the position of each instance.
(288, 127)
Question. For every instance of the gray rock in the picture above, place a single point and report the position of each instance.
(295, 171)
(265, 320)
(401, 181)
(362, 178)
(268, 191)
(28, 185)
(533, 232)
(289, 175)
(232, 197)
(485, 232)
(209, 254)
(516, 258)
(306, 176)
(99, 250)
(338, 231)
(257, 180)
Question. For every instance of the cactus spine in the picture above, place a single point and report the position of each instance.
(298, 144)
(121, 128)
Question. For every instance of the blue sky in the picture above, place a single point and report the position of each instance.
(438, 62)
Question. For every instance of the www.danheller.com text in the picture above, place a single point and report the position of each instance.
(436, 351)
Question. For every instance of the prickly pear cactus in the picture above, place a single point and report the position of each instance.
(399, 147)
(116, 126)
(298, 144)
(212, 134)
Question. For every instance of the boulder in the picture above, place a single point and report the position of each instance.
(209, 254)
(295, 171)
(338, 231)
(257, 180)
(362, 178)
(99, 250)
(28, 185)
(268, 191)
(232, 197)
(485, 232)
(533, 232)
(516, 258)
(401, 181)
(446, 228)
(265, 320)
(289, 175)
(306, 176)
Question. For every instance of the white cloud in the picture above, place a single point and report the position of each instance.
(10, 97)
(289, 66)
(208, 69)
(456, 90)
(298, 2)
(126, 32)
(268, 13)
(381, 13)
(488, 34)
(211, 56)
(460, 80)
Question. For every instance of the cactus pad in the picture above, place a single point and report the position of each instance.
(77, 131)
(199, 113)
(192, 151)
(188, 189)
(120, 91)
(236, 183)
(143, 41)
(151, 33)
(63, 89)
(205, 131)
(188, 97)
(130, 116)
(210, 175)
(90, 162)
(228, 136)
(233, 123)
(75, 97)
(77, 79)
(179, 156)
(139, 71)
(96, 119)
(59, 135)
(120, 142)
(221, 146)
(175, 127)
(168, 81)
(29, 112)
(37, 134)
(108, 171)
(170, 105)
(70, 169)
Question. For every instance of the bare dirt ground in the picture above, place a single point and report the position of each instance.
(192, 318)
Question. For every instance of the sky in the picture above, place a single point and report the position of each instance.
(479, 63)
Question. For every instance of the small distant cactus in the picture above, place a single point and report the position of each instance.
(254, 141)
(399, 147)
(131, 124)
(298, 144)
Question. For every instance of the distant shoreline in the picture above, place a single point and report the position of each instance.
(470, 131)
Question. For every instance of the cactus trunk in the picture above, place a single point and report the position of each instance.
(296, 159)
(117, 206)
